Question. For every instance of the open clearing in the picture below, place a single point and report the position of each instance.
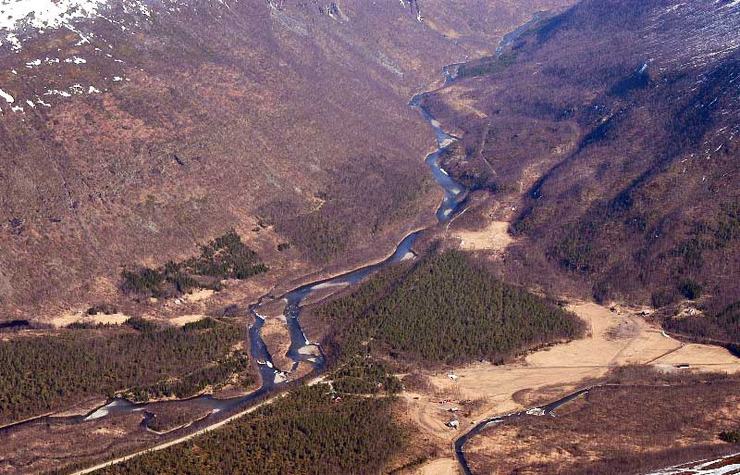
(199, 295)
(482, 390)
(494, 238)
(438, 467)
(82, 317)
(183, 320)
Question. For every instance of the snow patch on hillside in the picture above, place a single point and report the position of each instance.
(22, 19)
(8, 98)
(711, 32)
(43, 14)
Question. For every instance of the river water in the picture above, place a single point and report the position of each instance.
(301, 349)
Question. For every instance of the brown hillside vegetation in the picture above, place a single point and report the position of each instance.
(612, 129)
(651, 422)
(216, 116)
(185, 185)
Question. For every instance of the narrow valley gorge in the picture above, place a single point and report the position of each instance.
(415, 237)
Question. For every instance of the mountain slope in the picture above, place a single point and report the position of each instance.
(132, 131)
(613, 132)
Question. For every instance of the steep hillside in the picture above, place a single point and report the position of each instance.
(132, 131)
(611, 132)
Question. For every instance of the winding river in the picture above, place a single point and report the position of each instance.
(301, 349)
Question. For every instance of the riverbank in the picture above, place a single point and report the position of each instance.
(275, 379)
(190, 436)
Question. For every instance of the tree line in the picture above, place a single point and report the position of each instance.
(226, 257)
(444, 310)
(39, 374)
(310, 431)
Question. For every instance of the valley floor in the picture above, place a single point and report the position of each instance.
(482, 390)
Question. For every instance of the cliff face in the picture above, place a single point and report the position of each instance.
(130, 131)
(613, 131)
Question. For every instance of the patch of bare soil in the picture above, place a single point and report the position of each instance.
(81, 408)
(198, 295)
(540, 396)
(170, 417)
(323, 292)
(69, 318)
(276, 336)
(461, 102)
(273, 309)
(444, 466)
(183, 320)
(494, 237)
(302, 370)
